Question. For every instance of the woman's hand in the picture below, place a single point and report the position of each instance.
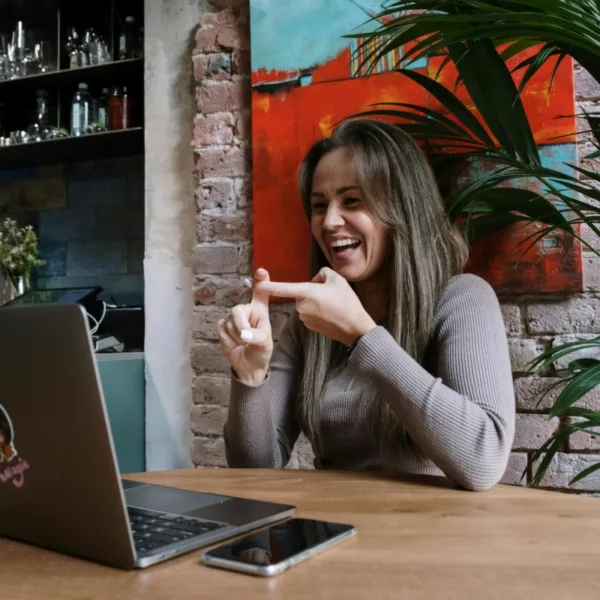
(246, 338)
(327, 305)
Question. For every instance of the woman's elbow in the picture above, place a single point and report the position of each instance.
(485, 474)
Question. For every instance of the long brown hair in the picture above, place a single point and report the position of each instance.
(426, 249)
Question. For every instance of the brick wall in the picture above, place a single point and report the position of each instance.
(90, 221)
(223, 259)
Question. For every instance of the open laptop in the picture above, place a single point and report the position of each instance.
(59, 482)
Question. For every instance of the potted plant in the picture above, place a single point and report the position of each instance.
(478, 37)
(18, 256)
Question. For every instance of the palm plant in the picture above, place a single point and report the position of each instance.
(478, 37)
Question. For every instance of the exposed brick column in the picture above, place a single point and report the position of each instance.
(223, 255)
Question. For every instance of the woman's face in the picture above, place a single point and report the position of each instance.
(352, 240)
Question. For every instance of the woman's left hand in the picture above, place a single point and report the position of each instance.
(327, 305)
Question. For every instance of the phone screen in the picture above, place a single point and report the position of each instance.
(279, 542)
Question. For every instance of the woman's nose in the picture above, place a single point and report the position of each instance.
(333, 217)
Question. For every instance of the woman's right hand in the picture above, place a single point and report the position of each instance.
(246, 338)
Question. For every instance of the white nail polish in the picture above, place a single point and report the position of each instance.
(247, 335)
(247, 283)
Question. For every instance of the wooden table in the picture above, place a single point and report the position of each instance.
(416, 539)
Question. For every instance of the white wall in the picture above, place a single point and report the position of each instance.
(169, 228)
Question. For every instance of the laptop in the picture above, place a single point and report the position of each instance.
(59, 482)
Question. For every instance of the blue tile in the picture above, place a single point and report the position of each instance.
(55, 256)
(97, 191)
(111, 224)
(97, 258)
(66, 225)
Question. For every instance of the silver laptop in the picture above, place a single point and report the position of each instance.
(59, 482)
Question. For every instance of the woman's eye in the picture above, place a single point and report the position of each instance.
(351, 201)
(319, 206)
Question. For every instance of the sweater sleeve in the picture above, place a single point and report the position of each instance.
(464, 419)
(262, 425)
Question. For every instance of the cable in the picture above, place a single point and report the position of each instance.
(98, 322)
(95, 328)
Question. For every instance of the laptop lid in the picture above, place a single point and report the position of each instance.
(59, 482)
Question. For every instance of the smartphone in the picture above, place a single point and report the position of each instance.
(274, 550)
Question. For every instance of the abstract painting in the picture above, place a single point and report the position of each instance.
(306, 78)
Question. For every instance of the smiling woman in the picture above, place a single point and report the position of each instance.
(352, 241)
(393, 360)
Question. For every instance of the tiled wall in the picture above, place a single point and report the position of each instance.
(89, 217)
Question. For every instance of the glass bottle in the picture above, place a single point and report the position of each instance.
(81, 111)
(72, 47)
(115, 110)
(102, 110)
(128, 39)
(126, 104)
(40, 129)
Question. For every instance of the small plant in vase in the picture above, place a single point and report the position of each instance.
(18, 255)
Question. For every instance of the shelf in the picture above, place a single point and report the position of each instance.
(117, 68)
(124, 142)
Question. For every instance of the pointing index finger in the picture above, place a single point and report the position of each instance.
(284, 290)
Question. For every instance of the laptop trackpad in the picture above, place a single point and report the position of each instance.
(168, 499)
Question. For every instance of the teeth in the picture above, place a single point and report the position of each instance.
(340, 243)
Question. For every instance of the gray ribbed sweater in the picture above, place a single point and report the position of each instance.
(459, 409)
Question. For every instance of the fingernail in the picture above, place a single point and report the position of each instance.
(261, 272)
(247, 335)
(247, 283)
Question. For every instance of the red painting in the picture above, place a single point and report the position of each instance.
(295, 105)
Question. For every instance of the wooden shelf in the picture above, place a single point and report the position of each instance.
(124, 142)
(118, 68)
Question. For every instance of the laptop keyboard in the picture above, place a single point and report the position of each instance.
(154, 529)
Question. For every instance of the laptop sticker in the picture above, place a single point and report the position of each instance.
(12, 466)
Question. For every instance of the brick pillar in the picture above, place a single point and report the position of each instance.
(223, 255)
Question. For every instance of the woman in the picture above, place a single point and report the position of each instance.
(393, 360)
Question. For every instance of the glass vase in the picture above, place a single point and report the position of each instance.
(13, 287)
(21, 284)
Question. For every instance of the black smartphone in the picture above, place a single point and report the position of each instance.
(273, 550)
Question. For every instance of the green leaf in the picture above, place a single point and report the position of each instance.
(594, 125)
(578, 387)
(549, 357)
(482, 226)
(591, 469)
(452, 103)
(499, 104)
(576, 411)
(535, 64)
(548, 452)
(583, 363)
(527, 202)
